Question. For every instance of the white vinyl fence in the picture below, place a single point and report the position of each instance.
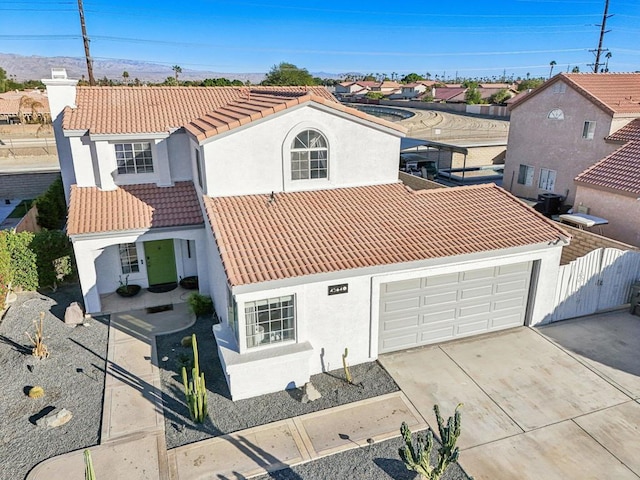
(598, 281)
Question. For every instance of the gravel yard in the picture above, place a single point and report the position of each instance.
(72, 377)
(226, 416)
(379, 461)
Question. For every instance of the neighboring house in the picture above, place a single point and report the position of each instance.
(563, 127)
(350, 88)
(449, 94)
(611, 188)
(414, 90)
(23, 106)
(387, 87)
(287, 206)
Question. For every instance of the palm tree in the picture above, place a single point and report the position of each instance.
(125, 77)
(31, 104)
(177, 69)
(553, 63)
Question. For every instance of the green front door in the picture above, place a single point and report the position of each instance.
(161, 262)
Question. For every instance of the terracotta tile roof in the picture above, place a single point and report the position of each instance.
(447, 93)
(203, 111)
(631, 131)
(132, 207)
(113, 110)
(256, 106)
(304, 233)
(618, 171)
(615, 93)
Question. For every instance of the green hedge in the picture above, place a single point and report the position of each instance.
(5, 269)
(23, 260)
(52, 208)
(36, 260)
(52, 249)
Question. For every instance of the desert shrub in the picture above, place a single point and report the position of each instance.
(200, 304)
(52, 207)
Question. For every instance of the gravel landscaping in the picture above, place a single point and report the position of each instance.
(72, 377)
(226, 416)
(379, 461)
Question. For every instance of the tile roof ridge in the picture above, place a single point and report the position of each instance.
(481, 186)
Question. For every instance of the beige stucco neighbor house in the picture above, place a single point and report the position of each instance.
(287, 206)
(611, 188)
(563, 127)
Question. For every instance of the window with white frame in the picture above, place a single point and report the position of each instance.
(589, 130)
(134, 157)
(270, 321)
(309, 156)
(547, 179)
(129, 258)
(556, 114)
(525, 175)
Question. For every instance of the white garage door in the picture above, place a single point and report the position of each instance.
(434, 309)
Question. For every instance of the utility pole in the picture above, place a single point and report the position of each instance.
(598, 52)
(85, 39)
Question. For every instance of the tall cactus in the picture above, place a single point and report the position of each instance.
(418, 458)
(194, 389)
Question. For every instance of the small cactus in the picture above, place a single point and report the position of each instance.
(186, 341)
(89, 474)
(418, 458)
(36, 392)
(195, 390)
(347, 373)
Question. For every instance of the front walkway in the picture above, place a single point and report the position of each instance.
(556, 402)
(133, 439)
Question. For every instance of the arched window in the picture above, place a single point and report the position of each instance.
(309, 156)
(556, 114)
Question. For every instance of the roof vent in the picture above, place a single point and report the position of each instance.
(59, 73)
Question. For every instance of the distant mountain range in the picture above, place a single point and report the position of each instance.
(35, 68)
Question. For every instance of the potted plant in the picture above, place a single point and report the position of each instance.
(126, 290)
(189, 283)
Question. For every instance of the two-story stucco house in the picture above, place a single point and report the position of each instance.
(287, 207)
(563, 127)
(610, 189)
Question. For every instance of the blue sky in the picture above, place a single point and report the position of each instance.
(439, 37)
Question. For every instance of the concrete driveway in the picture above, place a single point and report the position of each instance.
(558, 402)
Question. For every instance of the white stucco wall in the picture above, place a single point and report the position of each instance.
(256, 158)
(558, 145)
(331, 323)
(622, 212)
(179, 146)
(101, 255)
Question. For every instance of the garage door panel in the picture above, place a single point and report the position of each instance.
(440, 298)
(403, 286)
(437, 334)
(403, 322)
(400, 341)
(476, 292)
(483, 273)
(475, 309)
(510, 303)
(511, 286)
(452, 305)
(449, 279)
(449, 314)
(524, 268)
(469, 328)
(402, 304)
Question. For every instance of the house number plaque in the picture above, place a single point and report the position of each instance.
(338, 289)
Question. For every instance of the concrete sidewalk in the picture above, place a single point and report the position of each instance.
(133, 440)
